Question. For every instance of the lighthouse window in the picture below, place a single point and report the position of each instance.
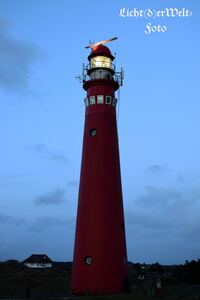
(114, 103)
(100, 99)
(86, 102)
(93, 132)
(108, 99)
(88, 260)
(92, 100)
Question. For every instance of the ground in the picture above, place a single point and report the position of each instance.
(19, 282)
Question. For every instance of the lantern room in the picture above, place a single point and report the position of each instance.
(101, 66)
(101, 62)
(101, 69)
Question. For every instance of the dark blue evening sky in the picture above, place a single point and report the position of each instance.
(42, 48)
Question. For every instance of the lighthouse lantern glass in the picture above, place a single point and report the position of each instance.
(101, 62)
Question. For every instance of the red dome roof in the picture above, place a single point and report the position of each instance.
(100, 50)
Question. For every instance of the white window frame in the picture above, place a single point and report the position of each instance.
(110, 100)
(100, 99)
(92, 100)
(114, 102)
(86, 102)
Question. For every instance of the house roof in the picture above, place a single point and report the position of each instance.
(38, 258)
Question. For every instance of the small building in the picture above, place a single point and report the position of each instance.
(38, 261)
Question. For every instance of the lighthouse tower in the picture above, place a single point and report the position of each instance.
(100, 258)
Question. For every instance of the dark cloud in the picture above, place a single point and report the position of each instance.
(166, 221)
(180, 179)
(175, 212)
(43, 151)
(144, 220)
(159, 196)
(7, 219)
(157, 169)
(72, 183)
(16, 58)
(43, 223)
(59, 158)
(57, 196)
(40, 149)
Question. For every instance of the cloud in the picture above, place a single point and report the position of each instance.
(180, 179)
(165, 222)
(16, 58)
(40, 149)
(159, 196)
(59, 158)
(175, 212)
(43, 151)
(157, 169)
(7, 219)
(45, 222)
(72, 183)
(140, 219)
(57, 196)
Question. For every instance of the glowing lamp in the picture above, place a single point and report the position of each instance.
(101, 62)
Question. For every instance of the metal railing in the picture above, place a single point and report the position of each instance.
(117, 76)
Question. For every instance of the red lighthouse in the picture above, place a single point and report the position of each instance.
(100, 258)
